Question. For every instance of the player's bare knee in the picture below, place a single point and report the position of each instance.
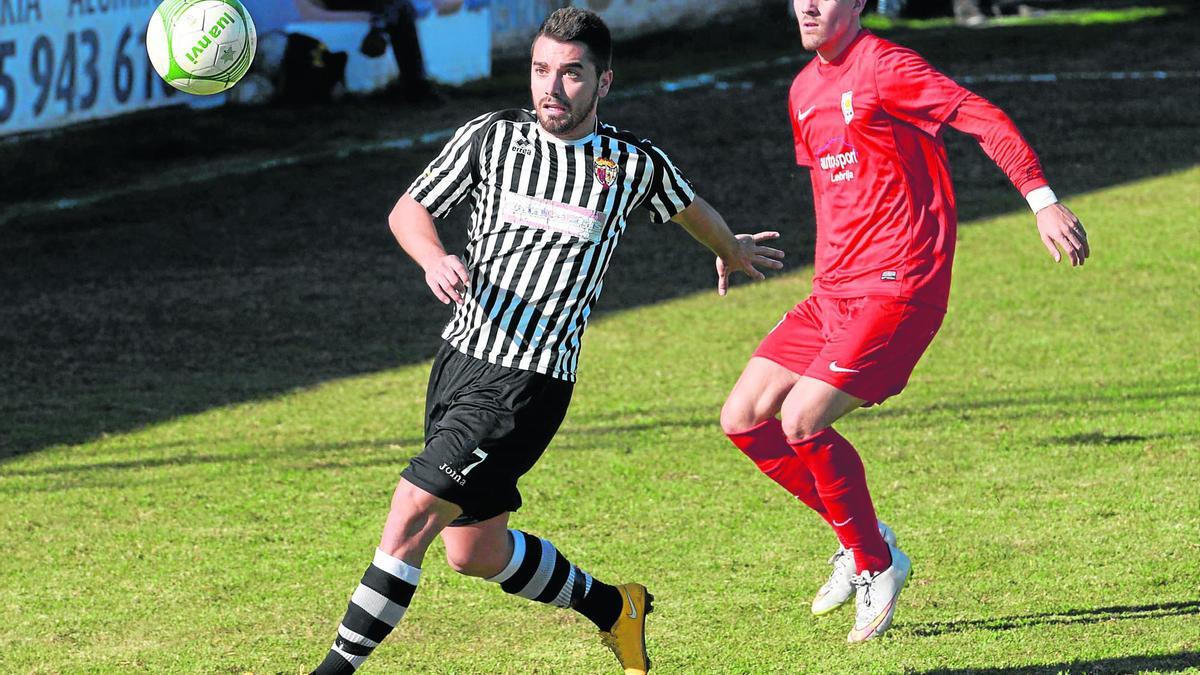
(738, 415)
(469, 563)
(459, 561)
(798, 426)
(407, 531)
(420, 527)
(734, 417)
(411, 524)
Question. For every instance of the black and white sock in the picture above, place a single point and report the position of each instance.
(375, 608)
(537, 571)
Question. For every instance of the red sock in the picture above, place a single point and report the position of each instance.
(767, 445)
(842, 486)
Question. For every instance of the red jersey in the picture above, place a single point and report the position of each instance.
(869, 126)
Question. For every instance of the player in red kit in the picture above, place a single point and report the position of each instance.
(867, 117)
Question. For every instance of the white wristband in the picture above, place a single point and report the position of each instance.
(1040, 198)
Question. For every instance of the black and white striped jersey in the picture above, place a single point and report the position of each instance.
(546, 217)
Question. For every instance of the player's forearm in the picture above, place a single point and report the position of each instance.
(1001, 141)
(707, 226)
(413, 228)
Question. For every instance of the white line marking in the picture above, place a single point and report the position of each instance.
(1065, 77)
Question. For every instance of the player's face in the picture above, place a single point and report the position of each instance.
(566, 87)
(826, 24)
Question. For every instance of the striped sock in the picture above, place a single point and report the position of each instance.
(375, 608)
(537, 571)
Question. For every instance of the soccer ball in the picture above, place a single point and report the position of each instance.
(201, 46)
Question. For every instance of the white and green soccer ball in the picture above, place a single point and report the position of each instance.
(201, 46)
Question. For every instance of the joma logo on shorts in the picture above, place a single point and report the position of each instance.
(461, 478)
(450, 471)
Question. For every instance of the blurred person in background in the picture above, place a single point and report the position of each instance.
(394, 22)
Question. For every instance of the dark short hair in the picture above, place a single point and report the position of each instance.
(572, 24)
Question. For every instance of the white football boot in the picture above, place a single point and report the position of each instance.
(838, 589)
(876, 598)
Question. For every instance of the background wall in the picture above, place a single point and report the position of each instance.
(67, 61)
(64, 61)
(514, 21)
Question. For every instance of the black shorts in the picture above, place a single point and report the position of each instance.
(485, 426)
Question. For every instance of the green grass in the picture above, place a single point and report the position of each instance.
(1041, 471)
(203, 412)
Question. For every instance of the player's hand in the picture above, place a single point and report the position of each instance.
(1057, 225)
(448, 279)
(748, 258)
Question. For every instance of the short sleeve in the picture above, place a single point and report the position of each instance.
(670, 192)
(451, 175)
(915, 92)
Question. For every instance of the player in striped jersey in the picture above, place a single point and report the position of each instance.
(551, 191)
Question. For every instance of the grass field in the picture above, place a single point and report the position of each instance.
(1041, 473)
(204, 409)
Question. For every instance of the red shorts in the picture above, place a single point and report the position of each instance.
(866, 347)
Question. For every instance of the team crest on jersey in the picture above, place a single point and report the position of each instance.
(606, 171)
(847, 106)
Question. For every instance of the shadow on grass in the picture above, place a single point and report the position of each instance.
(152, 306)
(1166, 663)
(118, 474)
(1038, 398)
(80, 478)
(1101, 438)
(1071, 616)
(298, 452)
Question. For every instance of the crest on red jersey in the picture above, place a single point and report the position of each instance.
(847, 106)
(606, 171)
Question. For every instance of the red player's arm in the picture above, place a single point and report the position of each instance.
(1000, 139)
(1002, 142)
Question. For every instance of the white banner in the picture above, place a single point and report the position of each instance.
(63, 61)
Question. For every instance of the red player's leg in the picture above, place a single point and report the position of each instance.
(748, 419)
(808, 410)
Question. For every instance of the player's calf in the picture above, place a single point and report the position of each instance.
(538, 571)
(387, 587)
(378, 604)
(766, 446)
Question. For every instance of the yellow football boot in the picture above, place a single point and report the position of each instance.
(627, 637)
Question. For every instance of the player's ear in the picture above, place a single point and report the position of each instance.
(606, 80)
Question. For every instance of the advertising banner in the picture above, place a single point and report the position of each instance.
(63, 61)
